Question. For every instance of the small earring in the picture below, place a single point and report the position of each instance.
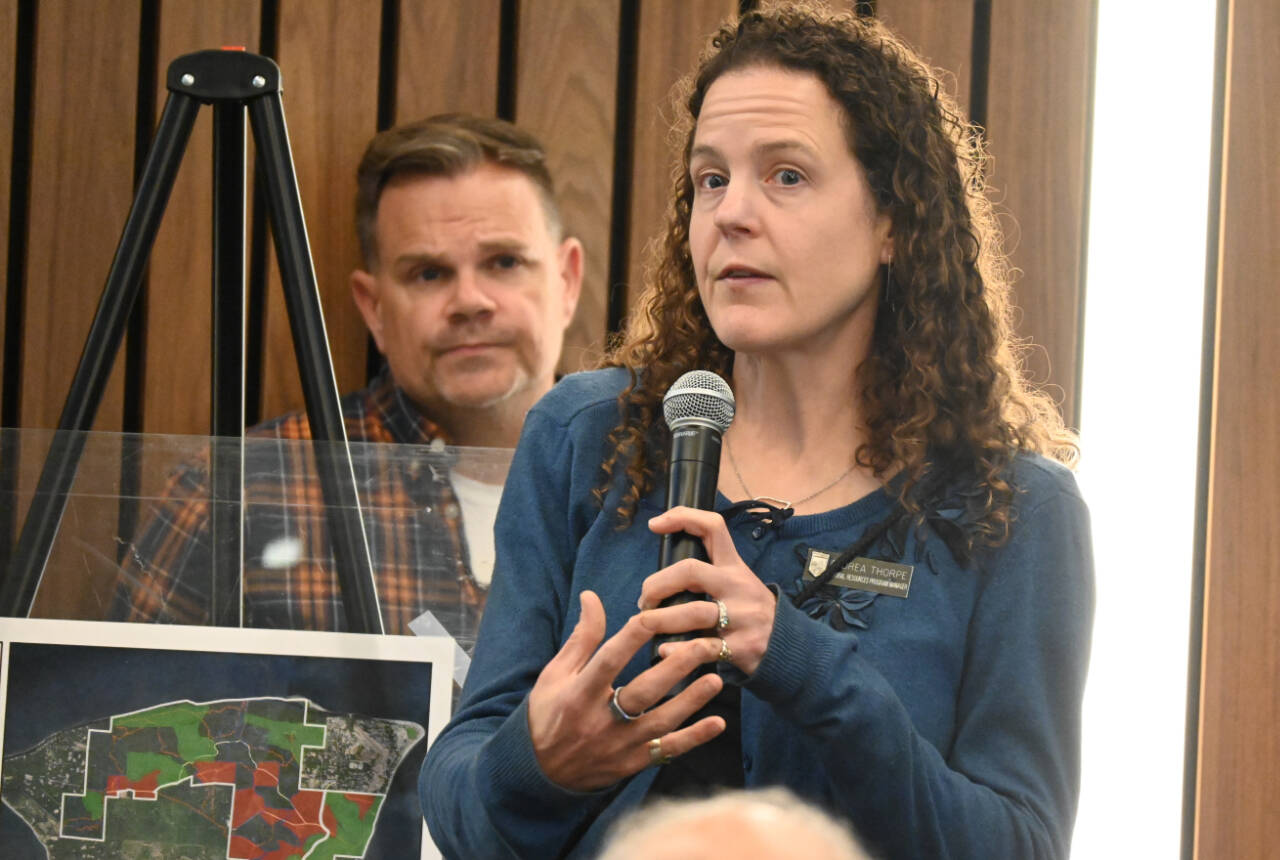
(888, 287)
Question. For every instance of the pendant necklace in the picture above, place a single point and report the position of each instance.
(781, 503)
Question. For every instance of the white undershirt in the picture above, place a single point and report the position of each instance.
(479, 503)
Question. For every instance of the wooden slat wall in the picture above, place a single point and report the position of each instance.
(1037, 105)
(941, 31)
(1238, 789)
(81, 188)
(670, 38)
(565, 94)
(447, 58)
(328, 51)
(8, 45)
(1036, 94)
(571, 57)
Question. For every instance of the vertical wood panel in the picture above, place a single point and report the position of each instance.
(179, 318)
(447, 58)
(8, 52)
(1239, 790)
(81, 189)
(328, 54)
(1037, 113)
(567, 74)
(941, 31)
(671, 38)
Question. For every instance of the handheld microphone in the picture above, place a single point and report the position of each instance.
(698, 408)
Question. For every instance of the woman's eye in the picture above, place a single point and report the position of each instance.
(787, 176)
(712, 181)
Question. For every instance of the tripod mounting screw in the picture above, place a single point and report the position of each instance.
(232, 75)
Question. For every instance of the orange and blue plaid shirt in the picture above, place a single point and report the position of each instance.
(412, 519)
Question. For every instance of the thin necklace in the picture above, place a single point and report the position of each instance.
(782, 503)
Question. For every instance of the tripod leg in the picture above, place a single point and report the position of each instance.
(18, 590)
(311, 345)
(226, 461)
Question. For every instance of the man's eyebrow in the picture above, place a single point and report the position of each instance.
(498, 246)
(488, 247)
(418, 258)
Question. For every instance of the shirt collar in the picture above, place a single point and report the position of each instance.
(399, 414)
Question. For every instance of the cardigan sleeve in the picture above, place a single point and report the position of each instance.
(1008, 785)
(482, 791)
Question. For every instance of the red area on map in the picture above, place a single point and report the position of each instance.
(216, 771)
(308, 804)
(144, 787)
(242, 849)
(246, 805)
(306, 823)
(364, 801)
(301, 817)
(267, 773)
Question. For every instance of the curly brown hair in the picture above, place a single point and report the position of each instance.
(943, 386)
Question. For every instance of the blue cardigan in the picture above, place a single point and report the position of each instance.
(941, 724)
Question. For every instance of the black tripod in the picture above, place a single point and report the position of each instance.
(231, 81)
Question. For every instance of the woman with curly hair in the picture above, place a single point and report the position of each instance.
(899, 579)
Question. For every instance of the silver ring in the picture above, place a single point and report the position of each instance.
(723, 622)
(656, 758)
(726, 654)
(618, 711)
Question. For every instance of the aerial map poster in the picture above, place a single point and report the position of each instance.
(186, 743)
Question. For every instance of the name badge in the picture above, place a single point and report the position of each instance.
(866, 574)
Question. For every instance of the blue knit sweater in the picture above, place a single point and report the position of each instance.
(941, 724)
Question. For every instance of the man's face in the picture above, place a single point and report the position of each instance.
(471, 292)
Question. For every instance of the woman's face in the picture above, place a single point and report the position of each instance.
(784, 233)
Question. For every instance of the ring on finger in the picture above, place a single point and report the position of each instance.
(619, 712)
(656, 758)
(723, 622)
(726, 653)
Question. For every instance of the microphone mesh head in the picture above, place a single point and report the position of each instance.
(701, 397)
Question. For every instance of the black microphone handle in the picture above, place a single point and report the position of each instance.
(693, 476)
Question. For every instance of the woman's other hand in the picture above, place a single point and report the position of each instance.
(580, 741)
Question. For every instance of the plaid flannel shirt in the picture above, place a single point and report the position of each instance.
(412, 520)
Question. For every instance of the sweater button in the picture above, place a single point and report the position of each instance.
(746, 763)
(757, 532)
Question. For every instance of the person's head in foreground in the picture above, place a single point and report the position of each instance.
(772, 824)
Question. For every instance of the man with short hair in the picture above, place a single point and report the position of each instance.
(468, 287)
